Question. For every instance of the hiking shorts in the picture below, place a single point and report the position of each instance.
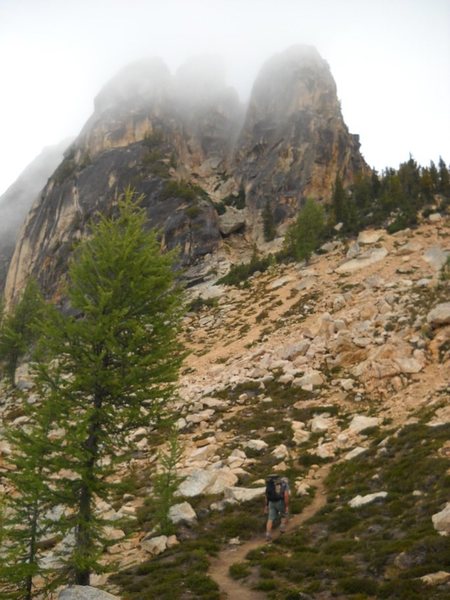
(277, 509)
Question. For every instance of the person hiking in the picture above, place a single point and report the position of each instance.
(277, 503)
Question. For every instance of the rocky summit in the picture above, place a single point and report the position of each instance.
(206, 164)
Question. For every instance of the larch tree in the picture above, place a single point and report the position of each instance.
(111, 366)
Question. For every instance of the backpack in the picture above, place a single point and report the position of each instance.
(275, 488)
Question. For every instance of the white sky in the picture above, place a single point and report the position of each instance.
(390, 60)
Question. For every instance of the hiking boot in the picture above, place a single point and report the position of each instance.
(268, 537)
(282, 529)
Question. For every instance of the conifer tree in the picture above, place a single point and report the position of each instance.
(268, 223)
(118, 360)
(305, 235)
(26, 511)
(17, 328)
(444, 178)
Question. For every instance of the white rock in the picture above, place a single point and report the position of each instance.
(182, 513)
(85, 592)
(358, 501)
(440, 315)
(369, 236)
(360, 422)
(313, 377)
(355, 452)
(320, 424)
(257, 445)
(156, 545)
(363, 261)
(239, 494)
(408, 365)
(280, 282)
(435, 256)
(280, 452)
(441, 520)
(438, 578)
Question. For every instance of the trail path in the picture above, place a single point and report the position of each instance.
(232, 589)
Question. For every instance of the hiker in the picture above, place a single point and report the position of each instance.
(277, 503)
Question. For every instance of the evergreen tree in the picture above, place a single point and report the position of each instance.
(444, 178)
(305, 235)
(268, 223)
(166, 483)
(26, 512)
(117, 365)
(339, 201)
(18, 328)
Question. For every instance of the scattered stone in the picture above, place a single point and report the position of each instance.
(240, 494)
(85, 592)
(280, 452)
(257, 445)
(156, 545)
(355, 452)
(182, 513)
(369, 236)
(435, 256)
(358, 501)
(363, 261)
(441, 520)
(409, 365)
(438, 578)
(275, 285)
(440, 315)
(360, 422)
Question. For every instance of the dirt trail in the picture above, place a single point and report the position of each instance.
(232, 589)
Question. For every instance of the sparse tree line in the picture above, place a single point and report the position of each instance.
(104, 369)
(395, 200)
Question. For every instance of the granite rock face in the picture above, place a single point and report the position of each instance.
(294, 140)
(186, 143)
(18, 198)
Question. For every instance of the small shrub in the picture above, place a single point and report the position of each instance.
(239, 570)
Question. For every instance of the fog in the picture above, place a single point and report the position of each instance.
(390, 60)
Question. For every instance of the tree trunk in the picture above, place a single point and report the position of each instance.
(84, 537)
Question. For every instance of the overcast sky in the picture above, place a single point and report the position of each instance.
(390, 60)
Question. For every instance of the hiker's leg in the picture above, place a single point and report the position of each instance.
(272, 513)
(283, 520)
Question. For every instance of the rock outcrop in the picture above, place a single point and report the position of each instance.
(18, 198)
(204, 166)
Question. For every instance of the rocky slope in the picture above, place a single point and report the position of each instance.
(343, 361)
(205, 165)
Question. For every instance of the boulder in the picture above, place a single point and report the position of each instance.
(438, 578)
(408, 365)
(358, 501)
(441, 520)
(360, 422)
(155, 545)
(239, 494)
(257, 445)
(363, 261)
(85, 592)
(435, 257)
(182, 513)
(231, 221)
(320, 424)
(369, 236)
(440, 315)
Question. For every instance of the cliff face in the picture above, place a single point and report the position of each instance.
(294, 141)
(16, 201)
(186, 143)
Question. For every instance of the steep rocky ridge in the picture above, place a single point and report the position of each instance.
(18, 198)
(151, 130)
(332, 362)
(294, 140)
